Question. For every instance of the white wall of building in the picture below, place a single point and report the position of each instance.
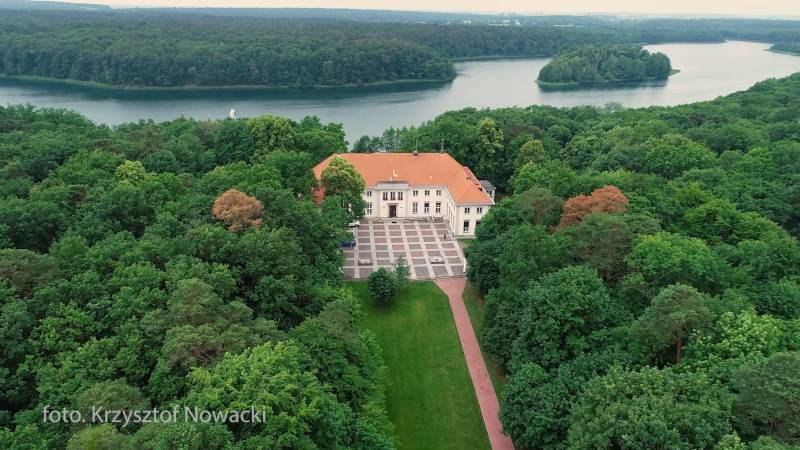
(453, 213)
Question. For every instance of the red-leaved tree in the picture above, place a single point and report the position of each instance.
(608, 199)
(238, 210)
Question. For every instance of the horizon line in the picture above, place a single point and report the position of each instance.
(439, 11)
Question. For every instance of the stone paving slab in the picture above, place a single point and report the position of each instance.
(381, 244)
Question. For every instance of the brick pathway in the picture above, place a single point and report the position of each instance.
(490, 408)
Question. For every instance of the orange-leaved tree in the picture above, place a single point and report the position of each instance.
(607, 199)
(238, 210)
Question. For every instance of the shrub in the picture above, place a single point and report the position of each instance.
(383, 285)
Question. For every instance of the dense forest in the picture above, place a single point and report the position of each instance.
(177, 265)
(184, 50)
(301, 48)
(788, 47)
(601, 64)
(642, 276)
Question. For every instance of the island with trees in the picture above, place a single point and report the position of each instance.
(604, 64)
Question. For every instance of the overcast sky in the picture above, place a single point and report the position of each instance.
(705, 7)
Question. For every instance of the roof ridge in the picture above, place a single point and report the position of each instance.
(421, 169)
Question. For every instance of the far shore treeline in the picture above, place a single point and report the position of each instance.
(301, 48)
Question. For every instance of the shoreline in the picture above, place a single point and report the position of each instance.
(495, 57)
(783, 52)
(93, 85)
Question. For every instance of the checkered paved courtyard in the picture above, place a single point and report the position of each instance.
(379, 244)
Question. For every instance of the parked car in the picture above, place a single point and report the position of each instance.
(348, 243)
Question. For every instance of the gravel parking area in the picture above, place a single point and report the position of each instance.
(423, 244)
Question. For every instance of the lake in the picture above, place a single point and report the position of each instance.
(707, 71)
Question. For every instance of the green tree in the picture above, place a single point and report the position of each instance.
(535, 405)
(528, 252)
(234, 141)
(489, 148)
(342, 180)
(383, 285)
(541, 204)
(650, 408)
(271, 133)
(528, 401)
(560, 312)
(673, 154)
(768, 398)
(531, 152)
(99, 437)
(24, 270)
(736, 340)
(131, 171)
(665, 258)
(116, 395)
(780, 299)
(299, 411)
(183, 435)
(295, 170)
(730, 442)
(604, 241)
(671, 317)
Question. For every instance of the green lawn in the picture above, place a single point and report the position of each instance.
(473, 300)
(430, 396)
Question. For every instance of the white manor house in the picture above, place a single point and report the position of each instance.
(427, 186)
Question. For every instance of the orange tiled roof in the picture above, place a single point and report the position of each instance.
(424, 169)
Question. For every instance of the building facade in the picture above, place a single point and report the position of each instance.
(420, 186)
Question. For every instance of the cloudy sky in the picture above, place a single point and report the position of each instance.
(706, 7)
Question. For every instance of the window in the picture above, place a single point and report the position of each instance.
(427, 192)
(477, 222)
(369, 208)
(369, 193)
(466, 226)
(386, 196)
(399, 195)
(426, 208)
(438, 207)
(438, 192)
(414, 209)
(391, 195)
(414, 193)
(466, 210)
(479, 210)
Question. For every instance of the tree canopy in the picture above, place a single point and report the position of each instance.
(182, 263)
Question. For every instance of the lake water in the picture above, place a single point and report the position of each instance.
(707, 71)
